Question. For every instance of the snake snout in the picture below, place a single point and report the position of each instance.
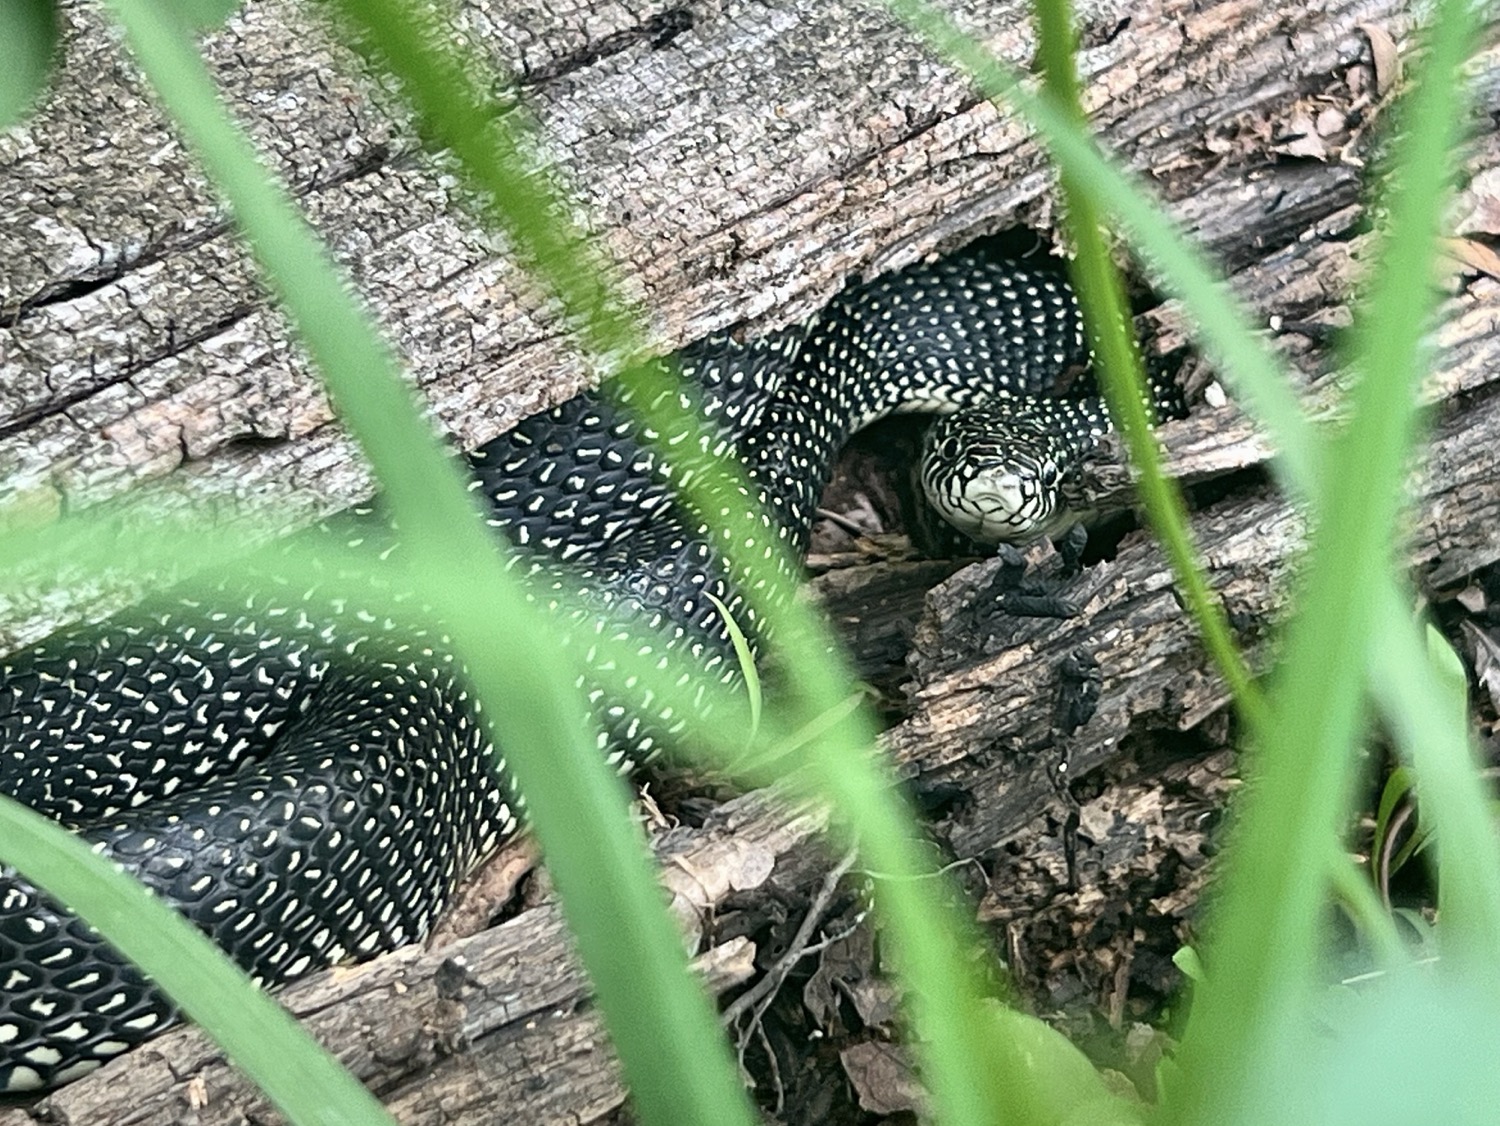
(996, 481)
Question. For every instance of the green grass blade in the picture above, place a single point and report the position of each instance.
(596, 855)
(304, 1081)
(1224, 326)
(925, 935)
(1397, 786)
(28, 43)
(747, 663)
(677, 1065)
(1101, 293)
(1428, 706)
(1266, 919)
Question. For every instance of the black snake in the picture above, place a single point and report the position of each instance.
(308, 796)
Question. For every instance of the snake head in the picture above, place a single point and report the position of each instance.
(1002, 477)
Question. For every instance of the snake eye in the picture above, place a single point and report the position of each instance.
(1050, 474)
(950, 449)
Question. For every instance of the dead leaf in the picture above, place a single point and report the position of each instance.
(1478, 205)
(877, 1000)
(1474, 255)
(1330, 122)
(883, 1078)
(1384, 55)
(1300, 138)
(1486, 649)
(1472, 598)
(842, 968)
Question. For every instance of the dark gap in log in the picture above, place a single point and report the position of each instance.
(1106, 535)
(62, 293)
(655, 32)
(1216, 490)
(738, 183)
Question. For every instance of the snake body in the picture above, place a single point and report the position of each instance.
(309, 788)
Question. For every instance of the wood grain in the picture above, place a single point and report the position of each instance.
(739, 161)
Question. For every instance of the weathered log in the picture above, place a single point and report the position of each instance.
(500, 1019)
(984, 684)
(739, 161)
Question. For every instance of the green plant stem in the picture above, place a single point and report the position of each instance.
(926, 936)
(1265, 921)
(304, 1082)
(1428, 710)
(1101, 294)
(634, 954)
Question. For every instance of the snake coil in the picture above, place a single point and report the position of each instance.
(308, 784)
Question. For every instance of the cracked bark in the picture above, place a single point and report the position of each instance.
(739, 161)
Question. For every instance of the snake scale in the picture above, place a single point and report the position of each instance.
(308, 797)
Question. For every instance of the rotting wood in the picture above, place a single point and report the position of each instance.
(984, 685)
(739, 170)
(740, 160)
(500, 1019)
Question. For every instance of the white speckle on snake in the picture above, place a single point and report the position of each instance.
(306, 780)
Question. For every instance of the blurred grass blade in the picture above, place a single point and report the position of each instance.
(94, 551)
(1428, 707)
(304, 1081)
(675, 1060)
(1266, 918)
(925, 935)
(28, 42)
(1060, 1085)
(1371, 916)
(1254, 372)
(201, 15)
(1101, 294)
